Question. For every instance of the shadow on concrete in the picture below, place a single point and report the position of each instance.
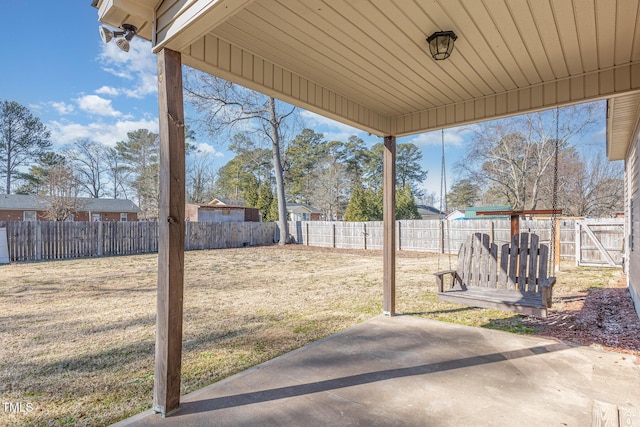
(206, 405)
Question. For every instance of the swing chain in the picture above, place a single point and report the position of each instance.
(554, 194)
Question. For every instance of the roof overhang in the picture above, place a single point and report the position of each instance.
(366, 63)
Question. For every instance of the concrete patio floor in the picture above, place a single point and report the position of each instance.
(407, 371)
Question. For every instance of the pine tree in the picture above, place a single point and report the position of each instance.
(23, 139)
(365, 204)
(273, 215)
(265, 201)
(406, 207)
(251, 192)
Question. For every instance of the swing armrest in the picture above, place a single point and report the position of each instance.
(547, 290)
(439, 278)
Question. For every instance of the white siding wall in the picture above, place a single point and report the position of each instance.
(632, 178)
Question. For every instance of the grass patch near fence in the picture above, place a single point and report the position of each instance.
(78, 336)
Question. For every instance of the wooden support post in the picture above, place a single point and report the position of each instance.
(515, 224)
(389, 227)
(306, 239)
(171, 231)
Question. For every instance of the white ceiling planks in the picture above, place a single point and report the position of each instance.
(366, 62)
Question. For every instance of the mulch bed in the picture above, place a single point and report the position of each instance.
(601, 318)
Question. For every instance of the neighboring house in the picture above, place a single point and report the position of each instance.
(302, 212)
(19, 207)
(457, 214)
(220, 213)
(429, 212)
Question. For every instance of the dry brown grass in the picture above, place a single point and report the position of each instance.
(77, 336)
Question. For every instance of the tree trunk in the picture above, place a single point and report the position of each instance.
(8, 188)
(277, 166)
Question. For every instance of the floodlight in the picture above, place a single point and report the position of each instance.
(122, 37)
(105, 34)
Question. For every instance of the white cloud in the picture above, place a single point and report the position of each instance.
(205, 149)
(62, 107)
(107, 90)
(452, 137)
(95, 104)
(106, 133)
(138, 66)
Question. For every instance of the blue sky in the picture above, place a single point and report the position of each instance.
(54, 63)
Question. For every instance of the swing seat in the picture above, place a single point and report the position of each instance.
(515, 279)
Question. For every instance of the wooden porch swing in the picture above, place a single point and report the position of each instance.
(514, 278)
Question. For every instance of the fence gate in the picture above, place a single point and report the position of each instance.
(600, 243)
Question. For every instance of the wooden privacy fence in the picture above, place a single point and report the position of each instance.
(34, 241)
(599, 242)
(425, 235)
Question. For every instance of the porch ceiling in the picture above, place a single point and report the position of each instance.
(366, 62)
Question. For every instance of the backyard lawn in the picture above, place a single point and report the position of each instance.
(77, 337)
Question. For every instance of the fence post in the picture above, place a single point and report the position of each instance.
(100, 250)
(399, 235)
(306, 238)
(38, 241)
(187, 236)
(578, 243)
(333, 228)
(364, 235)
(492, 236)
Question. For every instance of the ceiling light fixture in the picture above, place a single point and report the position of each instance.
(441, 44)
(122, 37)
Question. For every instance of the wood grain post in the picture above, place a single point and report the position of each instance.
(515, 224)
(171, 231)
(389, 227)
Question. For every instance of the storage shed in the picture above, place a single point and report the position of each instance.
(220, 213)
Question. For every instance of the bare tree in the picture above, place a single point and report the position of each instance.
(331, 183)
(89, 161)
(118, 173)
(139, 157)
(512, 156)
(588, 186)
(201, 177)
(63, 194)
(226, 106)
